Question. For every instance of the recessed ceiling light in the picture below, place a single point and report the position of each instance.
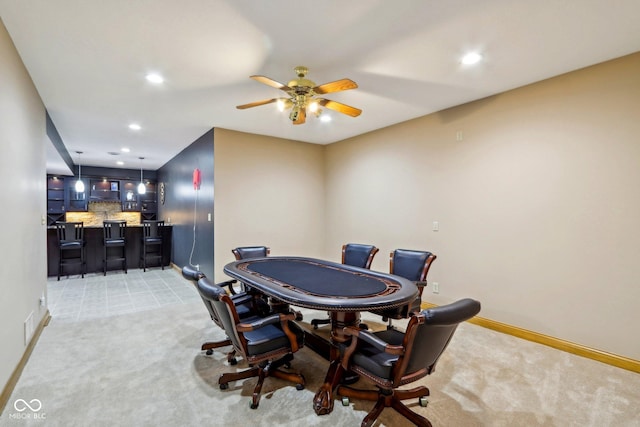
(125, 150)
(154, 78)
(134, 126)
(471, 58)
(325, 118)
(120, 163)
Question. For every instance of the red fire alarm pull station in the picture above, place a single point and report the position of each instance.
(196, 179)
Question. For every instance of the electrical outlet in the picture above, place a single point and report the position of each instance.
(436, 287)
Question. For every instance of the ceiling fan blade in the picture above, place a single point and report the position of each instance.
(339, 107)
(256, 104)
(338, 85)
(302, 116)
(270, 82)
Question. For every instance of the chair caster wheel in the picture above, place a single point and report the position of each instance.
(233, 362)
(345, 401)
(253, 405)
(299, 386)
(224, 386)
(209, 352)
(315, 326)
(423, 401)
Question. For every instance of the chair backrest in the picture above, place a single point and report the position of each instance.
(222, 310)
(195, 275)
(245, 252)
(358, 255)
(152, 228)
(113, 229)
(410, 264)
(68, 231)
(428, 334)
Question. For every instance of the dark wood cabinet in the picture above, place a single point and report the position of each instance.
(62, 196)
(55, 199)
(103, 190)
(129, 196)
(75, 201)
(149, 202)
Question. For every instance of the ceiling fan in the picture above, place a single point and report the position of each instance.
(302, 95)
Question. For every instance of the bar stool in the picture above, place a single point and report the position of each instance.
(113, 236)
(70, 245)
(151, 237)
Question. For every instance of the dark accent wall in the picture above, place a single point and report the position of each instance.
(183, 206)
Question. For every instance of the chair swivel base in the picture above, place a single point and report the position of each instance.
(209, 346)
(388, 399)
(263, 370)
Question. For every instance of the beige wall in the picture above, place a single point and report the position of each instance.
(22, 174)
(538, 205)
(268, 191)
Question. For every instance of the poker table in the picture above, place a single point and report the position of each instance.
(344, 291)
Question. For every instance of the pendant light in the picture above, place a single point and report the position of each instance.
(79, 183)
(141, 187)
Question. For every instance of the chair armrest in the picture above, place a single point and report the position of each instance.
(372, 340)
(421, 283)
(282, 318)
(229, 284)
(264, 321)
(241, 298)
(191, 273)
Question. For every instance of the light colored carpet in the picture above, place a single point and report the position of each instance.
(145, 369)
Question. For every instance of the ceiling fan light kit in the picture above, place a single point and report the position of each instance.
(302, 95)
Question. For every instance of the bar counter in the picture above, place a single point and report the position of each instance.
(94, 250)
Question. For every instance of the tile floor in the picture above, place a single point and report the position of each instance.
(95, 296)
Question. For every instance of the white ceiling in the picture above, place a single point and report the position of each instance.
(88, 59)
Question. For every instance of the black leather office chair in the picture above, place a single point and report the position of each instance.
(151, 238)
(414, 266)
(266, 343)
(247, 305)
(246, 252)
(357, 255)
(71, 245)
(390, 358)
(114, 236)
